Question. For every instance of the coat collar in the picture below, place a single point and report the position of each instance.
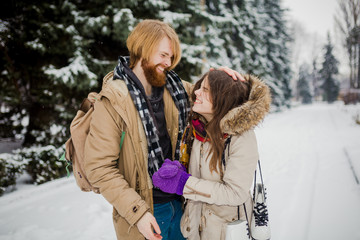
(247, 116)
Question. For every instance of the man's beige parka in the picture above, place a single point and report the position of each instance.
(122, 176)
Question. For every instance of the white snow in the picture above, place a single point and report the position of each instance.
(70, 73)
(124, 12)
(312, 192)
(305, 154)
(36, 45)
(173, 17)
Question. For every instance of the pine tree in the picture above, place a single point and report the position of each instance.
(234, 35)
(315, 80)
(217, 33)
(251, 37)
(56, 52)
(188, 18)
(277, 39)
(328, 72)
(34, 37)
(303, 84)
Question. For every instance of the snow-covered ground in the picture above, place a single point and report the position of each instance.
(310, 159)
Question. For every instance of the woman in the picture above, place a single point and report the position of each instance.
(223, 155)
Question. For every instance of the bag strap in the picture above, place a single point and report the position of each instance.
(86, 105)
(68, 164)
(262, 181)
(122, 139)
(227, 142)
(245, 213)
(247, 220)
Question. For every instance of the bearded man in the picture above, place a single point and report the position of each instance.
(144, 98)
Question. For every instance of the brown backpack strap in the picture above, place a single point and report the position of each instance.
(86, 105)
(88, 102)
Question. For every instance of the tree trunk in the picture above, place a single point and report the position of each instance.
(351, 66)
(358, 65)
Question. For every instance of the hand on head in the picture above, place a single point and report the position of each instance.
(234, 74)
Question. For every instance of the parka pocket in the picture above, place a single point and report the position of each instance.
(190, 221)
(185, 226)
(213, 227)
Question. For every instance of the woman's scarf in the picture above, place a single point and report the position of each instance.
(199, 131)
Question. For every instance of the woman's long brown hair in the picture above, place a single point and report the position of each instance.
(225, 94)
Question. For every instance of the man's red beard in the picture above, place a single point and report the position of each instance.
(155, 78)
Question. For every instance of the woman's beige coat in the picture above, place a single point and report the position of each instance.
(122, 176)
(211, 201)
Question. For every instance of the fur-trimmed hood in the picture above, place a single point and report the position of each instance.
(247, 116)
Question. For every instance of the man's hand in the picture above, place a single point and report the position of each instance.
(232, 73)
(146, 225)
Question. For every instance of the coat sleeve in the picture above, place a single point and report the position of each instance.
(238, 175)
(102, 148)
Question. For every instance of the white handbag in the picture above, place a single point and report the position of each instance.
(259, 227)
(238, 229)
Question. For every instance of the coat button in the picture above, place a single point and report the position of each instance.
(188, 229)
(135, 209)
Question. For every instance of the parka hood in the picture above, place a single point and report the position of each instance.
(247, 116)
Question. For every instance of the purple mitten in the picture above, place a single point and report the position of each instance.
(171, 177)
(179, 165)
(175, 163)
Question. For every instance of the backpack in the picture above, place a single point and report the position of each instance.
(75, 145)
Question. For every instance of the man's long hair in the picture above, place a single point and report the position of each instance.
(146, 36)
(225, 94)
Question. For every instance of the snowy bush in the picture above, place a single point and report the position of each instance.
(10, 170)
(42, 163)
(357, 119)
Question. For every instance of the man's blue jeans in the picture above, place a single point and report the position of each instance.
(168, 216)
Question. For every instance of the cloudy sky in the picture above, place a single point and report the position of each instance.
(316, 15)
(316, 19)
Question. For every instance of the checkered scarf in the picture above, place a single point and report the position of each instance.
(180, 98)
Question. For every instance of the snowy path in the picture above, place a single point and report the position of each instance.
(55, 211)
(312, 191)
(305, 152)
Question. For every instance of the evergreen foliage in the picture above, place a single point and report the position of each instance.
(41, 163)
(252, 37)
(316, 90)
(54, 52)
(328, 72)
(277, 51)
(10, 170)
(303, 84)
(188, 19)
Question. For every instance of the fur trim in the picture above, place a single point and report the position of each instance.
(250, 114)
